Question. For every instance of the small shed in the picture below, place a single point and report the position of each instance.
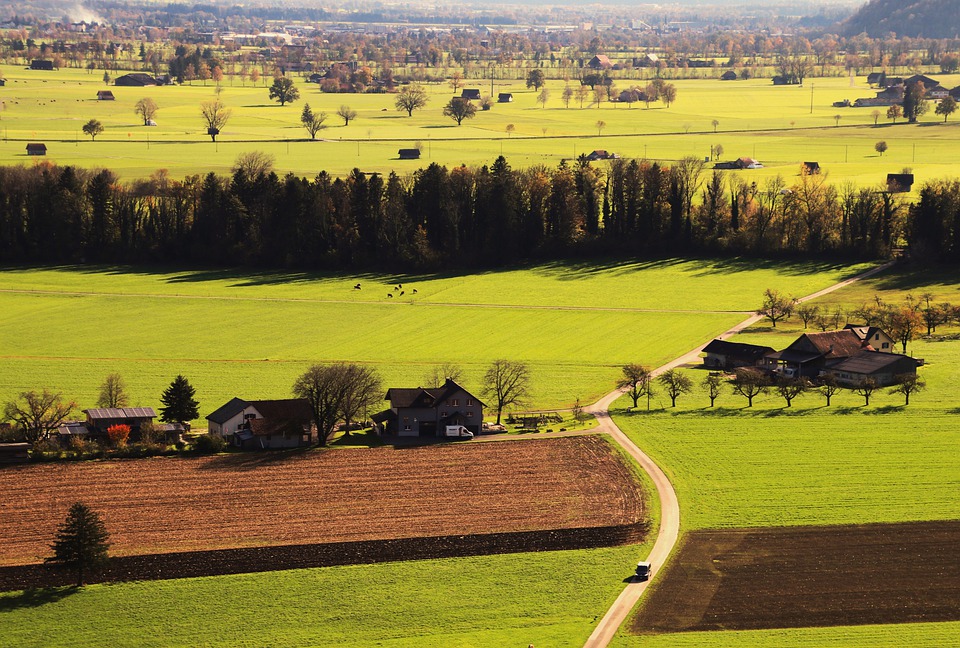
(36, 148)
(877, 79)
(14, 453)
(470, 93)
(781, 80)
(409, 154)
(729, 75)
(3, 82)
(105, 95)
(811, 168)
(38, 64)
(899, 182)
(504, 97)
(721, 354)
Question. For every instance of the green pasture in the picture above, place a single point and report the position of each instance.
(250, 334)
(757, 119)
(547, 599)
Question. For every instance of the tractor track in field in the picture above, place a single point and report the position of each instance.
(669, 531)
(379, 302)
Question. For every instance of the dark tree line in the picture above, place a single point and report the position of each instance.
(459, 217)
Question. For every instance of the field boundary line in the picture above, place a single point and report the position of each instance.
(669, 531)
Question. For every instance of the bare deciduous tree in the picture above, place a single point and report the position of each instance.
(675, 383)
(36, 415)
(908, 384)
(507, 382)
(828, 386)
(749, 383)
(113, 392)
(636, 381)
(713, 383)
(776, 306)
(215, 115)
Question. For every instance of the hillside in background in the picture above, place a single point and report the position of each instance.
(924, 18)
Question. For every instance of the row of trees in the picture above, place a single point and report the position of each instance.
(440, 217)
(639, 383)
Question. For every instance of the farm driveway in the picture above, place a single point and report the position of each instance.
(669, 506)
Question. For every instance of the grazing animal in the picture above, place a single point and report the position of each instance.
(357, 287)
(414, 291)
(395, 289)
(400, 286)
(401, 293)
(390, 295)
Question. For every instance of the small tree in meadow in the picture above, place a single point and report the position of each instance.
(92, 128)
(807, 313)
(828, 386)
(865, 388)
(880, 147)
(675, 383)
(876, 116)
(636, 381)
(946, 107)
(713, 383)
(347, 114)
(118, 434)
(908, 384)
(600, 126)
(749, 383)
(894, 112)
(776, 306)
(789, 388)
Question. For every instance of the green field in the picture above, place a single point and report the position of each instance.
(773, 124)
(250, 334)
(547, 599)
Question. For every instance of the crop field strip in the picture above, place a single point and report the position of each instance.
(808, 576)
(171, 505)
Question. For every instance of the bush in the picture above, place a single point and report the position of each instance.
(118, 435)
(210, 444)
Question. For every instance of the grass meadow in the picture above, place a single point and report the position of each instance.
(249, 335)
(773, 124)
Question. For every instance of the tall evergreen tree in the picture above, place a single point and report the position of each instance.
(179, 404)
(81, 542)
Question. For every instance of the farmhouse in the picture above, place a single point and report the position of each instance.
(426, 412)
(470, 93)
(600, 62)
(877, 79)
(875, 337)
(285, 423)
(721, 354)
(883, 368)
(409, 154)
(729, 75)
(136, 79)
(504, 97)
(36, 148)
(890, 95)
(101, 418)
(601, 154)
(105, 95)
(811, 353)
(38, 64)
(899, 182)
(927, 82)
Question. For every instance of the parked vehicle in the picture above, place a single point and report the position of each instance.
(457, 432)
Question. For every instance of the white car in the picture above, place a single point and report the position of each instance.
(755, 165)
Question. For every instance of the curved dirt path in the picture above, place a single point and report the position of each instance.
(669, 531)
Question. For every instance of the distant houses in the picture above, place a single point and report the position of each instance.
(470, 94)
(600, 62)
(849, 355)
(601, 154)
(105, 95)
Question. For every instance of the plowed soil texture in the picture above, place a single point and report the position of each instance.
(808, 576)
(169, 505)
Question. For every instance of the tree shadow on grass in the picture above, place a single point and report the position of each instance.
(36, 597)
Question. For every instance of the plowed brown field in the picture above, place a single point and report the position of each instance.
(181, 504)
(750, 579)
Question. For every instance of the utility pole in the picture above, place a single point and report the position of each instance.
(811, 97)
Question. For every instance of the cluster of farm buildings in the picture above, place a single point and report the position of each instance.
(851, 356)
(289, 423)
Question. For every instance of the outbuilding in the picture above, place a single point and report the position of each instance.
(36, 148)
(136, 79)
(721, 354)
(899, 182)
(884, 369)
(470, 94)
(504, 97)
(409, 154)
(105, 95)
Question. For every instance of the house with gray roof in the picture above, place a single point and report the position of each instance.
(884, 369)
(425, 412)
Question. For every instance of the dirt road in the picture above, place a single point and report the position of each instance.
(669, 530)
